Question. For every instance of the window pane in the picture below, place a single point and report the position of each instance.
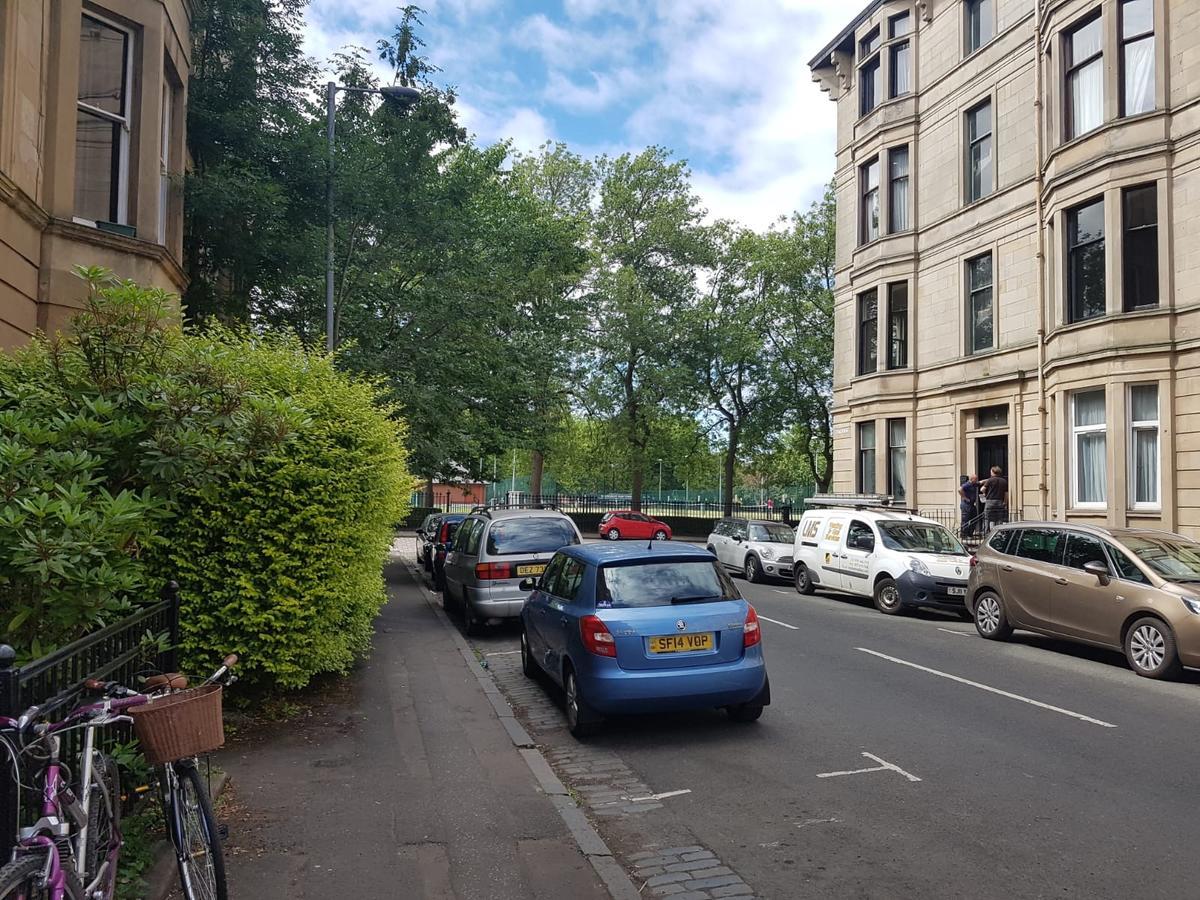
(1042, 544)
(866, 436)
(1141, 269)
(1085, 241)
(1141, 206)
(980, 271)
(981, 169)
(898, 325)
(1090, 467)
(1087, 223)
(1145, 465)
(1083, 549)
(900, 69)
(869, 86)
(102, 56)
(901, 25)
(896, 464)
(1126, 568)
(1086, 98)
(898, 169)
(869, 44)
(1143, 403)
(868, 336)
(1089, 408)
(97, 160)
(982, 336)
(979, 23)
(1085, 41)
(1138, 87)
(896, 433)
(979, 121)
(872, 171)
(1137, 17)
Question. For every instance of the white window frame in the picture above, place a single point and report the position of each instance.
(126, 121)
(1145, 425)
(1076, 432)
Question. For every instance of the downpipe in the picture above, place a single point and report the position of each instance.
(1039, 185)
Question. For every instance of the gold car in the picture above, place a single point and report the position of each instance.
(1130, 589)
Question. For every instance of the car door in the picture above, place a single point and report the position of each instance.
(562, 614)
(1028, 573)
(1082, 607)
(453, 566)
(829, 549)
(537, 612)
(718, 538)
(638, 526)
(735, 547)
(858, 545)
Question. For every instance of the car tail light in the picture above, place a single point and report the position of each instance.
(445, 535)
(596, 637)
(493, 571)
(751, 634)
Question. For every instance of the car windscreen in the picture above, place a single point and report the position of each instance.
(652, 583)
(918, 537)
(1171, 558)
(772, 534)
(534, 534)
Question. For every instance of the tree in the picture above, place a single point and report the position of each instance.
(650, 245)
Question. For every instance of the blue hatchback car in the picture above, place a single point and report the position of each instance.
(636, 628)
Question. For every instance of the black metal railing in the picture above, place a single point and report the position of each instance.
(651, 506)
(126, 651)
(975, 527)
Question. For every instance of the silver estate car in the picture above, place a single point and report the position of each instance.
(492, 552)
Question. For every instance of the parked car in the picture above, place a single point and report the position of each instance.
(493, 550)
(757, 549)
(900, 561)
(1129, 589)
(637, 628)
(425, 532)
(630, 525)
(443, 535)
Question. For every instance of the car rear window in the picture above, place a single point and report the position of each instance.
(535, 534)
(662, 583)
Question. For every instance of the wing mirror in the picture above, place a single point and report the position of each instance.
(1099, 569)
(527, 584)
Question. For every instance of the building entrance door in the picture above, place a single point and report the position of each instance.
(991, 451)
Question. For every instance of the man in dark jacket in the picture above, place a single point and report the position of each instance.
(968, 502)
(995, 498)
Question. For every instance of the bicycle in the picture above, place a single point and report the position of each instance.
(71, 851)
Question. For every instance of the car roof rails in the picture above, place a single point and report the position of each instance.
(520, 504)
(857, 501)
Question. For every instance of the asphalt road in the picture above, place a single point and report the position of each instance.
(1027, 769)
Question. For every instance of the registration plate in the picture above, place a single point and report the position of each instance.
(957, 591)
(681, 643)
(522, 571)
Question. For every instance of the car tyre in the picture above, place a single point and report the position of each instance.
(1150, 649)
(613, 534)
(804, 583)
(990, 619)
(528, 667)
(887, 597)
(581, 720)
(753, 571)
(745, 712)
(660, 535)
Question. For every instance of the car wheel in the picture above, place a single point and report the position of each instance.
(528, 666)
(745, 712)
(1150, 649)
(887, 597)
(613, 534)
(660, 535)
(753, 571)
(581, 721)
(804, 583)
(990, 620)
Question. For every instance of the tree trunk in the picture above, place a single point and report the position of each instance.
(428, 493)
(636, 487)
(730, 463)
(538, 462)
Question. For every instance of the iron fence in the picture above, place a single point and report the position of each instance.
(974, 528)
(141, 644)
(651, 506)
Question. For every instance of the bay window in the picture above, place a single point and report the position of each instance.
(868, 176)
(897, 321)
(1089, 441)
(102, 121)
(1143, 446)
(1085, 261)
(868, 334)
(1137, 57)
(898, 205)
(1139, 247)
(899, 55)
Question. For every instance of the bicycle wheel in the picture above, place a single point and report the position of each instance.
(104, 818)
(194, 832)
(19, 879)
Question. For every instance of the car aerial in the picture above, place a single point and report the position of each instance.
(757, 548)
(495, 548)
(1129, 589)
(630, 525)
(443, 535)
(857, 545)
(643, 628)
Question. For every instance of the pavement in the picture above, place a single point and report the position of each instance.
(402, 782)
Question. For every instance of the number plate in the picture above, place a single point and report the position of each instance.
(522, 571)
(957, 591)
(681, 643)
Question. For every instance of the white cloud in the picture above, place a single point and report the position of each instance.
(527, 128)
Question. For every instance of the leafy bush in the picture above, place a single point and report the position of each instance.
(251, 470)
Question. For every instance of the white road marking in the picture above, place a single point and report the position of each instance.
(777, 622)
(808, 822)
(662, 796)
(992, 690)
(502, 653)
(884, 766)
(959, 633)
(778, 591)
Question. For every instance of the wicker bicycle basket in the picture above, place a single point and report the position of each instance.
(180, 725)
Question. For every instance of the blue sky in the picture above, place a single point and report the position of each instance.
(722, 83)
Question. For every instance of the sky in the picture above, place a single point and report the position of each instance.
(723, 84)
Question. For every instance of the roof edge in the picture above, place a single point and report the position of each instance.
(821, 60)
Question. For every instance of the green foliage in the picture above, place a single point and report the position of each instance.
(141, 834)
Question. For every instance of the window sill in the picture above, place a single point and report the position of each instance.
(980, 354)
(968, 204)
(1144, 313)
(1078, 510)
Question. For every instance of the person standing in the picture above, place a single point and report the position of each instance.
(995, 498)
(968, 502)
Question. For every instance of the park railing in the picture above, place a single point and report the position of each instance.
(140, 644)
(651, 506)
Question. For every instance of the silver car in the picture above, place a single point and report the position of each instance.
(493, 550)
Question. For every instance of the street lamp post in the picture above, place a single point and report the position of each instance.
(405, 96)
(660, 481)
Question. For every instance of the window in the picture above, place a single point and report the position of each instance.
(1139, 247)
(164, 162)
(1083, 549)
(570, 580)
(897, 458)
(471, 544)
(868, 332)
(1127, 569)
(1085, 261)
(1041, 544)
(898, 219)
(979, 24)
(550, 578)
(659, 583)
(979, 152)
(868, 73)
(1088, 447)
(991, 416)
(530, 534)
(999, 540)
(1143, 445)
(1137, 57)
(866, 457)
(859, 536)
(899, 55)
(868, 175)
(897, 357)
(102, 122)
(980, 321)
(1085, 78)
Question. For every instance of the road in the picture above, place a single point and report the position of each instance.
(1045, 769)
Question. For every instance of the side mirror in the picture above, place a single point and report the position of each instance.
(1099, 569)
(527, 584)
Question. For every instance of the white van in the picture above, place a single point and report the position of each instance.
(898, 559)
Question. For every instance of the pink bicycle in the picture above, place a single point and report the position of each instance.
(71, 851)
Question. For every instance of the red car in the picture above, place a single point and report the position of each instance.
(624, 523)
